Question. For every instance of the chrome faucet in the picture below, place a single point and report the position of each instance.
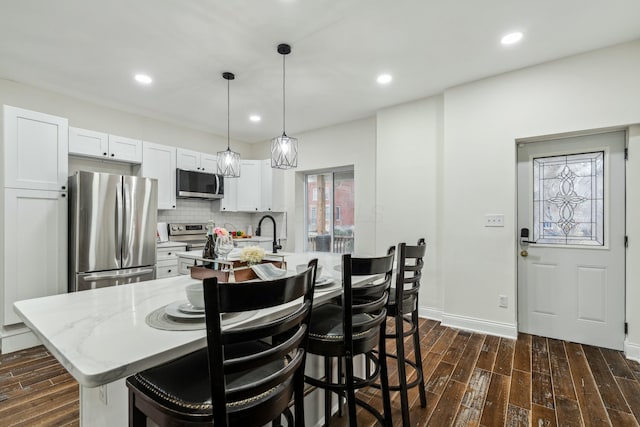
(276, 246)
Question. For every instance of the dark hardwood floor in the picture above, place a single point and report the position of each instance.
(472, 380)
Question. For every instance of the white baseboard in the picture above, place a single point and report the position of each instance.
(18, 340)
(430, 313)
(505, 330)
(632, 351)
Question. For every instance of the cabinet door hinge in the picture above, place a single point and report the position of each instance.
(626, 327)
(626, 241)
(626, 154)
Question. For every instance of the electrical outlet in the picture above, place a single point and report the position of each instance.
(494, 220)
(102, 394)
(503, 301)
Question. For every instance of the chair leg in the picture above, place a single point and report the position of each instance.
(351, 392)
(384, 377)
(136, 417)
(298, 402)
(418, 353)
(340, 373)
(327, 394)
(402, 369)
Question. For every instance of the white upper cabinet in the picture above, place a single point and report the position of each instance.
(89, 143)
(125, 149)
(272, 184)
(196, 161)
(83, 142)
(229, 202)
(35, 150)
(249, 188)
(159, 162)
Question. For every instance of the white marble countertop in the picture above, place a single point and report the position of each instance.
(101, 335)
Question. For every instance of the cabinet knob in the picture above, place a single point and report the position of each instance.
(112, 155)
(64, 187)
(169, 271)
(63, 195)
(169, 253)
(174, 206)
(104, 154)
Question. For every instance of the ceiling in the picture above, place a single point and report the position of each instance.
(90, 49)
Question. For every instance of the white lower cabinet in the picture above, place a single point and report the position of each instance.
(167, 260)
(35, 247)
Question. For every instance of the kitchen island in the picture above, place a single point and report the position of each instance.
(101, 337)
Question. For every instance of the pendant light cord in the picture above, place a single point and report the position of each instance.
(283, 97)
(228, 108)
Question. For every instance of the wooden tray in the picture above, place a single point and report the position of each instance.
(241, 271)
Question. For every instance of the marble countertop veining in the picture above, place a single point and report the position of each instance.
(101, 335)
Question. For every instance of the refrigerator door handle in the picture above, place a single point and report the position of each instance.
(119, 220)
(95, 277)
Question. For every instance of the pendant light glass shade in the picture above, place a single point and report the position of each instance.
(284, 149)
(228, 161)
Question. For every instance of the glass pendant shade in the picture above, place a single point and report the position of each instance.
(284, 149)
(229, 163)
(284, 152)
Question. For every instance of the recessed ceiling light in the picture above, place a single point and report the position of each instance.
(143, 78)
(383, 79)
(255, 118)
(512, 38)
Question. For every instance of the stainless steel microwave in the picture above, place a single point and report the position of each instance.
(199, 185)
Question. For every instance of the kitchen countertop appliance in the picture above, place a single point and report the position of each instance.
(112, 230)
(193, 234)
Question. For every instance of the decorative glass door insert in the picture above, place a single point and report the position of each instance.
(568, 199)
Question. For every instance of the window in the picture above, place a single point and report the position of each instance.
(330, 192)
(568, 199)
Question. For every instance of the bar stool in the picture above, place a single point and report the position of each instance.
(403, 308)
(247, 375)
(355, 326)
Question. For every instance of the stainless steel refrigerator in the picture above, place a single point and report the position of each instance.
(112, 230)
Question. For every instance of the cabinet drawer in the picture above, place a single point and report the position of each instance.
(168, 253)
(167, 268)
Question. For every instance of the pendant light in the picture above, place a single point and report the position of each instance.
(228, 161)
(284, 149)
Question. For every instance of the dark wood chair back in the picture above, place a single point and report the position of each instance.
(410, 261)
(366, 302)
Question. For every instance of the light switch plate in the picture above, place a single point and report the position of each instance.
(494, 220)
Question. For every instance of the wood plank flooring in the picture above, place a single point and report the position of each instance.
(472, 380)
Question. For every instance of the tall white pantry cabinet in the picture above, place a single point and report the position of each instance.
(33, 254)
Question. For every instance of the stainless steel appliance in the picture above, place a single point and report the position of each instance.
(199, 185)
(112, 230)
(193, 234)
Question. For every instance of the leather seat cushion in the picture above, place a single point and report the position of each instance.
(184, 382)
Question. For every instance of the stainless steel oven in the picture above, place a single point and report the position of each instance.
(193, 234)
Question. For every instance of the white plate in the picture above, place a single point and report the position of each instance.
(324, 281)
(190, 309)
(173, 310)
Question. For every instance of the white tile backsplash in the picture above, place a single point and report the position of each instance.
(196, 210)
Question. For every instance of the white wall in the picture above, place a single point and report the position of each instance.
(408, 176)
(90, 116)
(346, 144)
(481, 122)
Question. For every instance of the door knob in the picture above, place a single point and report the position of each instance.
(524, 253)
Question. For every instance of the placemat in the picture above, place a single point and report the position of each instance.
(159, 319)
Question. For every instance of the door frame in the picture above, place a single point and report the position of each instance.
(560, 136)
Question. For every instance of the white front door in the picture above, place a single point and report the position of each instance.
(571, 267)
